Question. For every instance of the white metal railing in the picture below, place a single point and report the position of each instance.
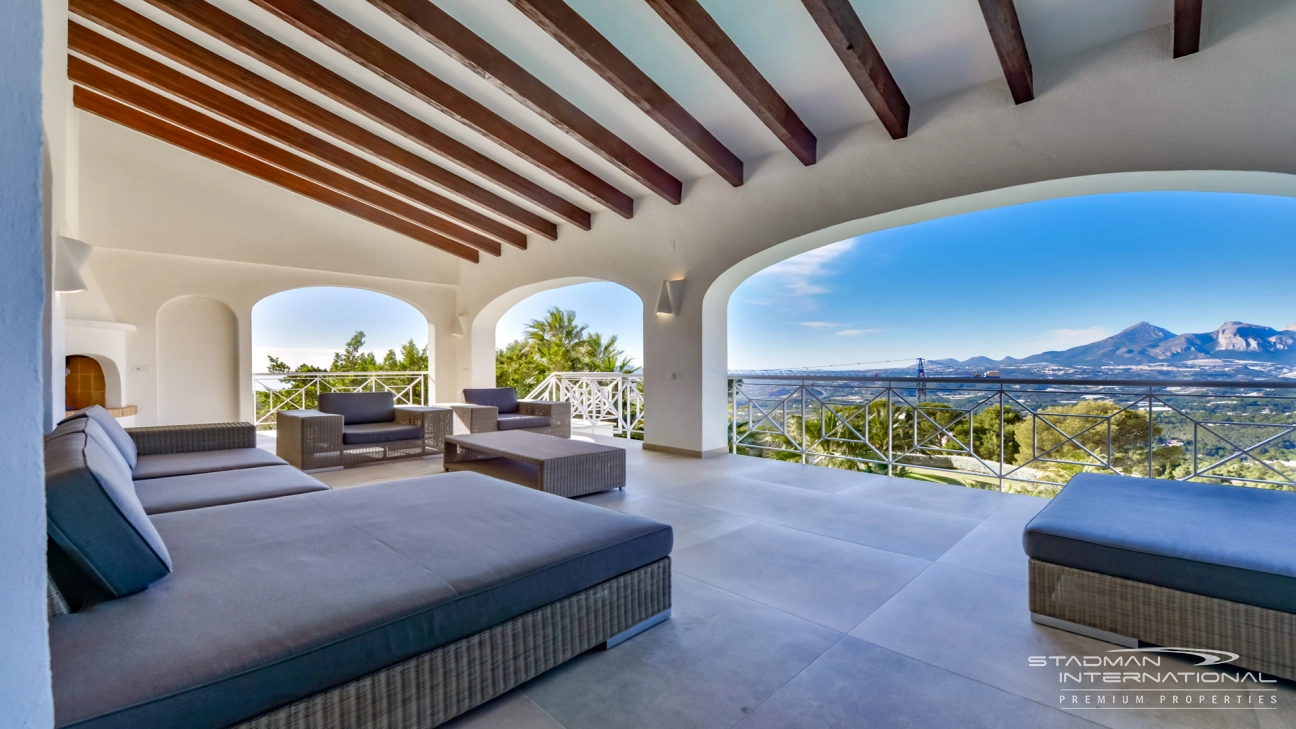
(1026, 435)
(606, 399)
(275, 391)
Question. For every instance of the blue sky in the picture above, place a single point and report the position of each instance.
(1010, 281)
(306, 326)
(1023, 279)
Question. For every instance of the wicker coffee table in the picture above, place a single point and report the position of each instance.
(544, 462)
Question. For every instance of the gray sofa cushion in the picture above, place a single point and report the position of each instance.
(514, 421)
(95, 518)
(282, 598)
(357, 408)
(120, 438)
(367, 433)
(1230, 542)
(180, 464)
(201, 490)
(504, 398)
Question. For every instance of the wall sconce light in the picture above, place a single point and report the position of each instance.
(460, 324)
(70, 257)
(672, 293)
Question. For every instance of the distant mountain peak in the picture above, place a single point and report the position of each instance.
(1143, 331)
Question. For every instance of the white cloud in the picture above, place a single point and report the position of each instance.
(797, 272)
(821, 324)
(856, 332)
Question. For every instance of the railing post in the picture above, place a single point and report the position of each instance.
(890, 430)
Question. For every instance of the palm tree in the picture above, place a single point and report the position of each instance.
(600, 355)
(557, 339)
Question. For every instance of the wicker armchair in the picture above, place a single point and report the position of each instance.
(352, 429)
(497, 408)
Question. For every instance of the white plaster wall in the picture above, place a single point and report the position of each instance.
(197, 362)
(26, 222)
(105, 341)
(1125, 107)
(138, 284)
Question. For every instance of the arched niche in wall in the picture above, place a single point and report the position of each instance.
(197, 345)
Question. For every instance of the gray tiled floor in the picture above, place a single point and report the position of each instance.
(806, 597)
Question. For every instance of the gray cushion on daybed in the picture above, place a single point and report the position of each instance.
(200, 490)
(94, 516)
(276, 600)
(357, 408)
(514, 421)
(1230, 542)
(180, 464)
(120, 438)
(504, 398)
(367, 433)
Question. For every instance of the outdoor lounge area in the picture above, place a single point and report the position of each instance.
(209, 520)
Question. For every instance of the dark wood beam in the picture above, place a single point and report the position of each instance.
(118, 112)
(845, 33)
(692, 22)
(85, 74)
(321, 24)
(587, 44)
(243, 37)
(176, 47)
(108, 52)
(1006, 33)
(1187, 27)
(452, 37)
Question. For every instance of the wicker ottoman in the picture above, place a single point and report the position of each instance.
(544, 462)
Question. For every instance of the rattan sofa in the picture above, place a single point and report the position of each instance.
(484, 410)
(1170, 563)
(356, 428)
(402, 604)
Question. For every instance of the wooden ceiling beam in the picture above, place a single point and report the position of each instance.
(1006, 34)
(693, 24)
(321, 24)
(120, 113)
(845, 33)
(246, 39)
(1187, 27)
(85, 74)
(578, 36)
(441, 30)
(88, 43)
(172, 45)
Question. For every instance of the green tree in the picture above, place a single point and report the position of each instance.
(556, 342)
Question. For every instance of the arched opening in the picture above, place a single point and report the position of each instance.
(85, 384)
(338, 339)
(198, 379)
(576, 340)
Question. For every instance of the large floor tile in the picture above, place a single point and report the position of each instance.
(858, 684)
(1018, 509)
(944, 498)
(915, 532)
(746, 497)
(691, 523)
(994, 548)
(513, 710)
(380, 472)
(831, 582)
(803, 476)
(978, 625)
(716, 659)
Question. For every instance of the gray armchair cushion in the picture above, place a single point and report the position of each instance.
(504, 398)
(201, 490)
(367, 433)
(94, 516)
(357, 408)
(120, 438)
(180, 464)
(1230, 542)
(515, 421)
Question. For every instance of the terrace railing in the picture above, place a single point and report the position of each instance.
(1022, 435)
(277, 391)
(598, 399)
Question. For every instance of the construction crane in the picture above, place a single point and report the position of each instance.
(921, 389)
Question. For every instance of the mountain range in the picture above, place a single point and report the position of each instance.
(1146, 343)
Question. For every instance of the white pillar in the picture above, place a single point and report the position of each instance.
(685, 368)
